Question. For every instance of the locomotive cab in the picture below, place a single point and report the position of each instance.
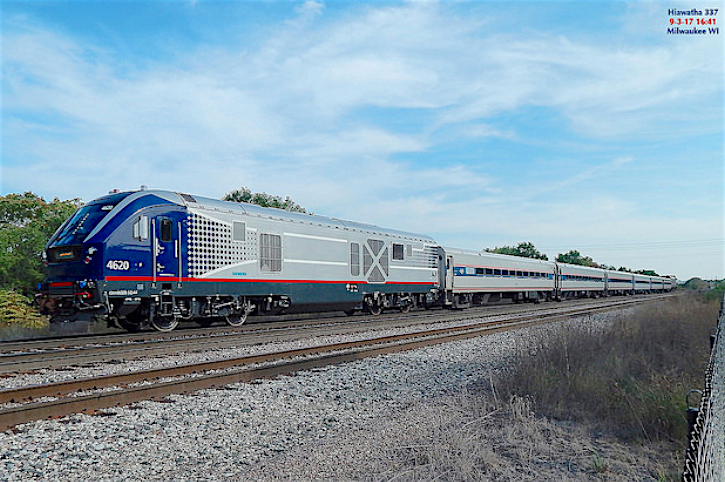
(74, 264)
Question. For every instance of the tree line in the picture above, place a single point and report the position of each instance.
(27, 222)
(244, 195)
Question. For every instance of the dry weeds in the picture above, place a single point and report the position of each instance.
(586, 405)
(466, 438)
(630, 379)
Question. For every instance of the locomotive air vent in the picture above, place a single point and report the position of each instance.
(375, 261)
(187, 197)
(215, 244)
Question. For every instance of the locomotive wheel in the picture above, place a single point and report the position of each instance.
(164, 323)
(235, 320)
(374, 308)
(405, 309)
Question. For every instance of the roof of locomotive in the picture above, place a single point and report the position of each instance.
(210, 204)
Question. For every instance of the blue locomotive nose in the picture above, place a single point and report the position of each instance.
(75, 264)
(70, 294)
(66, 263)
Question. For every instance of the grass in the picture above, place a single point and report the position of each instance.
(466, 437)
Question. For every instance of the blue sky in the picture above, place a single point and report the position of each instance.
(573, 125)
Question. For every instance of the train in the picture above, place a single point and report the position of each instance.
(153, 258)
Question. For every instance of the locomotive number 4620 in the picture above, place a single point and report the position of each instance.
(118, 265)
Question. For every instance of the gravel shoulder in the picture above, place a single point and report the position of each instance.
(359, 421)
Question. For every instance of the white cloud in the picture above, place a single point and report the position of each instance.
(310, 9)
(485, 130)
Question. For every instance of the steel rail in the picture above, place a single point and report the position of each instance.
(13, 395)
(256, 324)
(26, 362)
(18, 349)
(11, 347)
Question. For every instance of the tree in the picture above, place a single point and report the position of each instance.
(244, 195)
(575, 257)
(648, 272)
(696, 284)
(524, 249)
(27, 222)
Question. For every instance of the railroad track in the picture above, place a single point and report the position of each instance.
(256, 324)
(73, 396)
(25, 357)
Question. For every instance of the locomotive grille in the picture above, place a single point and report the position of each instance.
(376, 276)
(367, 260)
(355, 259)
(215, 244)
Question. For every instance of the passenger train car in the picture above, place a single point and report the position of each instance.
(578, 280)
(474, 278)
(158, 257)
(619, 283)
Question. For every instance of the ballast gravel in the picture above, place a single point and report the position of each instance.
(223, 434)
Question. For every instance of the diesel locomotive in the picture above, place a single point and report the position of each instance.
(155, 258)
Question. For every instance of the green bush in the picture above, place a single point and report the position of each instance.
(15, 309)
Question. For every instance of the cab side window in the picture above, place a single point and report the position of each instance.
(141, 228)
(166, 231)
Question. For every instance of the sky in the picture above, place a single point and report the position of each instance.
(572, 125)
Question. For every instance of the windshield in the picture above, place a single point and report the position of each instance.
(79, 226)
